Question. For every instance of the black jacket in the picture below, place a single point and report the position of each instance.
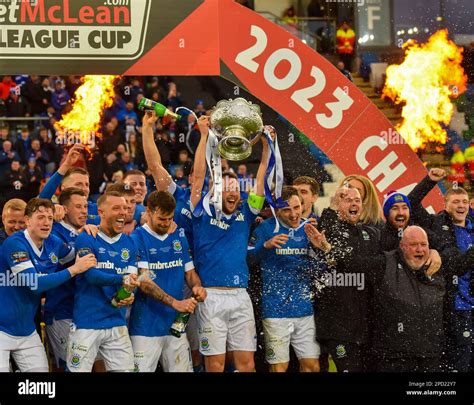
(408, 306)
(343, 311)
(441, 224)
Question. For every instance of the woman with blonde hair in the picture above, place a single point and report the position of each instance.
(372, 213)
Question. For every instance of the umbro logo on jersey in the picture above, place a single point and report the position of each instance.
(101, 250)
(105, 265)
(153, 251)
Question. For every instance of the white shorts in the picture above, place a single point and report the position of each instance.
(281, 332)
(113, 345)
(192, 332)
(172, 352)
(58, 335)
(27, 351)
(226, 322)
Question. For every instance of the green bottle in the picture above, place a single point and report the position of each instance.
(123, 293)
(179, 324)
(146, 104)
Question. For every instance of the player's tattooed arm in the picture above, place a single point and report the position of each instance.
(150, 288)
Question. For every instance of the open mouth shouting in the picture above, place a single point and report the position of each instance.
(400, 221)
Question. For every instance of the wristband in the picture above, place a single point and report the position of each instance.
(256, 201)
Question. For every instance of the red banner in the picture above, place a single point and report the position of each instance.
(314, 96)
(195, 38)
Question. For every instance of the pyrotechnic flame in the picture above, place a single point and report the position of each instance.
(82, 123)
(426, 80)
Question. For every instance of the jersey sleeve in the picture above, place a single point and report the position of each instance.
(255, 248)
(19, 261)
(188, 262)
(179, 193)
(134, 257)
(250, 212)
(17, 256)
(51, 186)
(67, 253)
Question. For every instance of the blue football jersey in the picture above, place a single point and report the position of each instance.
(139, 210)
(220, 247)
(286, 271)
(182, 214)
(95, 288)
(60, 300)
(166, 257)
(22, 263)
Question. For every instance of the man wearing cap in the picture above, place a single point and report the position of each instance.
(396, 209)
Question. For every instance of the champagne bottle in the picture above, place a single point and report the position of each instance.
(150, 105)
(123, 293)
(179, 324)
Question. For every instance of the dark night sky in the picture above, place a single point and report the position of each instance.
(459, 14)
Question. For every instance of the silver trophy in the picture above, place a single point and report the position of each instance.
(238, 125)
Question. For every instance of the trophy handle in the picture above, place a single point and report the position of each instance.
(256, 138)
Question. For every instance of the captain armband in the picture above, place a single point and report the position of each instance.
(256, 201)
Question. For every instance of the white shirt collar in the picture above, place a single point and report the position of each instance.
(147, 228)
(33, 245)
(302, 223)
(108, 239)
(70, 228)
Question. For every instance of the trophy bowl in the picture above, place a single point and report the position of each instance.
(235, 122)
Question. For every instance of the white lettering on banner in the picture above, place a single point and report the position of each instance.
(246, 58)
(382, 168)
(291, 77)
(371, 17)
(301, 97)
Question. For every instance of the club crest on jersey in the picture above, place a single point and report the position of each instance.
(270, 354)
(204, 344)
(340, 351)
(177, 246)
(125, 254)
(53, 258)
(75, 360)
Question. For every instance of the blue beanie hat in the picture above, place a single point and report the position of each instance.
(393, 198)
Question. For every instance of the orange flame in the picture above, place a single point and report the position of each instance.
(82, 123)
(430, 74)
